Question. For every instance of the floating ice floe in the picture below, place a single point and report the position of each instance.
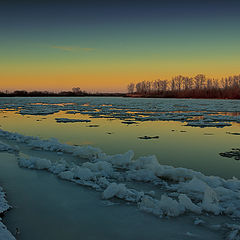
(6, 147)
(202, 124)
(234, 153)
(233, 133)
(129, 122)
(68, 120)
(148, 137)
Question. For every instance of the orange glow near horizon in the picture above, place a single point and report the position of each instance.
(110, 74)
(110, 82)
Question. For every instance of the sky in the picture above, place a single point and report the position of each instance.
(104, 45)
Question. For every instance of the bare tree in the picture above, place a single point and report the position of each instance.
(131, 87)
(76, 90)
(200, 80)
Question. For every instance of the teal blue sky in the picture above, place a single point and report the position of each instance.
(104, 45)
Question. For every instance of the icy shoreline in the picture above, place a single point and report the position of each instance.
(182, 191)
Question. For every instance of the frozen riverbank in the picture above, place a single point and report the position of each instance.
(4, 233)
(177, 191)
(46, 207)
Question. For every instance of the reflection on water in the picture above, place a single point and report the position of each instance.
(177, 145)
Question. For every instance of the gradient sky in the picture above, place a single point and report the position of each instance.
(104, 45)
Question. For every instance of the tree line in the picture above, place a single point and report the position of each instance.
(76, 92)
(23, 93)
(180, 86)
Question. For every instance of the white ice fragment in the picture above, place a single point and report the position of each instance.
(58, 167)
(195, 185)
(144, 175)
(210, 201)
(4, 233)
(198, 221)
(68, 120)
(6, 147)
(83, 173)
(112, 190)
(122, 160)
(188, 204)
(87, 152)
(170, 206)
(166, 206)
(147, 162)
(189, 234)
(68, 175)
(122, 192)
(103, 182)
(34, 162)
(102, 167)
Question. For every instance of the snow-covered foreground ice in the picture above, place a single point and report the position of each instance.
(177, 191)
(4, 233)
(46, 207)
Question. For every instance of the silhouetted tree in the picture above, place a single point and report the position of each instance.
(131, 87)
(184, 86)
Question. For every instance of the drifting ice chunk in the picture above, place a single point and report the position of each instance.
(68, 175)
(34, 162)
(112, 190)
(103, 182)
(188, 204)
(6, 147)
(210, 201)
(102, 167)
(170, 207)
(164, 207)
(5, 234)
(87, 152)
(67, 120)
(144, 175)
(195, 185)
(118, 160)
(203, 124)
(3, 203)
(147, 162)
(121, 191)
(58, 167)
(83, 173)
(122, 159)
